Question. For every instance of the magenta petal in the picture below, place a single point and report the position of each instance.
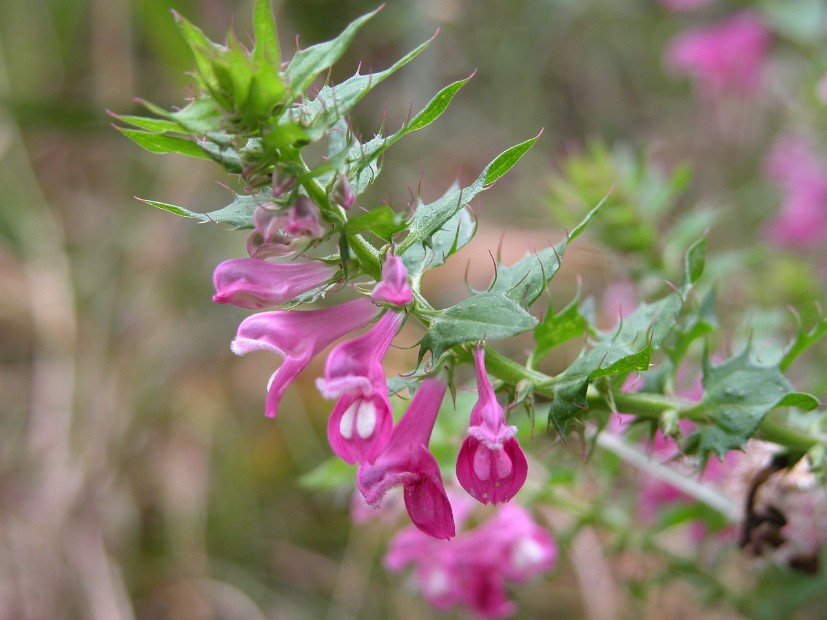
(428, 504)
(491, 474)
(359, 426)
(256, 284)
(355, 366)
(297, 336)
(393, 288)
(281, 380)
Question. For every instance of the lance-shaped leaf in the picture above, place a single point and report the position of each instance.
(526, 279)
(429, 218)
(310, 62)
(626, 348)
(238, 214)
(159, 143)
(555, 329)
(205, 52)
(334, 102)
(362, 155)
(383, 222)
(202, 118)
(448, 240)
(484, 316)
(738, 394)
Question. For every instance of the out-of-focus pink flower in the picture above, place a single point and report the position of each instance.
(491, 465)
(726, 57)
(276, 233)
(256, 284)
(473, 570)
(361, 421)
(406, 461)
(298, 336)
(341, 193)
(684, 5)
(304, 219)
(393, 288)
(801, 175)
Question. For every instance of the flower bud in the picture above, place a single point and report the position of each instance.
(342, 193)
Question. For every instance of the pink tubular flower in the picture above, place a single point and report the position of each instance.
(393, 289)
(298, 336)
(405, 460)
(726, 57)
(361, 421)
(256, 284)
(800, 174)
(491, 465)
(474, 569)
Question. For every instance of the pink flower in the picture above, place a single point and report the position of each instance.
(684, 5)
(726, 57)
(304, 219)
(405, 460)
(341, 193)
(362, 420)
(257, 284)
(491, 465)
(393, 288)
(298, 336)
(279, 234)
(473, 570)
(802, 177)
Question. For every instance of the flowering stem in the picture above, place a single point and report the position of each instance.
(647, 404)
(367, 255)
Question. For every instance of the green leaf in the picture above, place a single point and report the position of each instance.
(698, 323)
(507, 159)
(334, 102)
(526, 279)
(158, 143)
(383, 222)
(555, 329)
(738, 394)
(308, 63)
(803, 341)
(203, 50)
(361, 156)
(267, 89)
(624, 349)
(152, 125)
(484, 316)
(266, 52)
(202, 117)
(429, 218)
(448, 240)
(238, 214)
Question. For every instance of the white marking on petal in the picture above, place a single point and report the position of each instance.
(527, 554)
(366, 419)
(502, 464)
(437, 583)
(482, 463)
(346, 423)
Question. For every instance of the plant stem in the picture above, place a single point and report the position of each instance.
(647, 404)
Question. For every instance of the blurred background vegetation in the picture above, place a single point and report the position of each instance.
(138, 477)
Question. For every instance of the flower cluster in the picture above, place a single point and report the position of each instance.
(491, 465)
(726, 57)
(473, 570)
